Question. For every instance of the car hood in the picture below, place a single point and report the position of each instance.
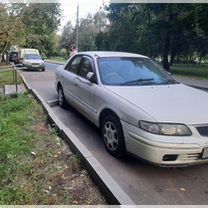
(38, 61)
(176, 103)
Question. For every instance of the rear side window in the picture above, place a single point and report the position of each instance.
(73, 65)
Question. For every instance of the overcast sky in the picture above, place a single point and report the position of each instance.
(69, 8)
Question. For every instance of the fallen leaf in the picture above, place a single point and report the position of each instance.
(33, 153)
(182, 189)
(74, 202)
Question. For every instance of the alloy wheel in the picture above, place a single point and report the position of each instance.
(110, 136)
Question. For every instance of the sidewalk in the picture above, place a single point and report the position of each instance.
(11, 89)
(198, 83)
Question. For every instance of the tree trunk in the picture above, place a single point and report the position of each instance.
(166, 50)
(200, 59)
(175, 47)
(166, 65)
(173, 55)
(3, 52)
(149, 35)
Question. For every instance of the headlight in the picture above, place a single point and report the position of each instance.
(165, 129)
(28, 63)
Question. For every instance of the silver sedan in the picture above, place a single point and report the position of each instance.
(138, 106)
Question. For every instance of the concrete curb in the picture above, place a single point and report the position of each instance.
(25, 82)
(198, 87)
(108, 186)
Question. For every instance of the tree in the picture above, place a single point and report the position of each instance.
(122, 30)
(10, 28)
(55, 44)
(40, 21)
(89, 28)
(31, 26)
(169, 31)
(67, 37)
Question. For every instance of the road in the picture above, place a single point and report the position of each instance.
(144, 183)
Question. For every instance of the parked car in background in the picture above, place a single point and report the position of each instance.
(138, 106)
(30, 59)
(13, 57)
(33, 62)
(25, 51)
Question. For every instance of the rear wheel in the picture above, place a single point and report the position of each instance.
(61, 98)
(112, 134)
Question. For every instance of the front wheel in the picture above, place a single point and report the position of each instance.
(61, 98)
(112, 134)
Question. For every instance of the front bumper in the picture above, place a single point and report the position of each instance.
(34, 67)
(164, 150)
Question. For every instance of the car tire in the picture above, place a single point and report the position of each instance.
(61, 98)
(113, 137)
(43, 69)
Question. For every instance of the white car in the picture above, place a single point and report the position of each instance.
(33, 62)
(139, 107)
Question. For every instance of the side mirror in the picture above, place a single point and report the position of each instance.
(91, 77)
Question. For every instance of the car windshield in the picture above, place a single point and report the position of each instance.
(125, 71)
(32, 56)
(13, 54)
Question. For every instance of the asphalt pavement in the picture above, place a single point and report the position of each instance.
(143, 182)
(198, 83)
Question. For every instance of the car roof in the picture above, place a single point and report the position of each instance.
(111, 54)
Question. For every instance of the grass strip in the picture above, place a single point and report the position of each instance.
(36, 166)
(57, 59)
(200, 72)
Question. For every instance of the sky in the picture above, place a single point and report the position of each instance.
(69, 8)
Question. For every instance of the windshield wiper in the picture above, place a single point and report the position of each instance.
(139, 81)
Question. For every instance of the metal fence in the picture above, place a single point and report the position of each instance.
(7, 69)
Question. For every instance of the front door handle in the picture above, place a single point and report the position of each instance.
(76, 80)
(82, 81)
(75, 84)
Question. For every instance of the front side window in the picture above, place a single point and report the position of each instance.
(73, 65)
(85, 68)
(132, 71)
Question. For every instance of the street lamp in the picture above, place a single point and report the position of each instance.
(77, 27)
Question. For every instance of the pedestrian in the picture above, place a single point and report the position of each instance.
(72, 51)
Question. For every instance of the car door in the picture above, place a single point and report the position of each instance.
(84, 89)
(68, 76)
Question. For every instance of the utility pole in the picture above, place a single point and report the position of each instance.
(77, 27)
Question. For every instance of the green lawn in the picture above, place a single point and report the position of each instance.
(36, 166)
(192, 71)
(58, 59)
